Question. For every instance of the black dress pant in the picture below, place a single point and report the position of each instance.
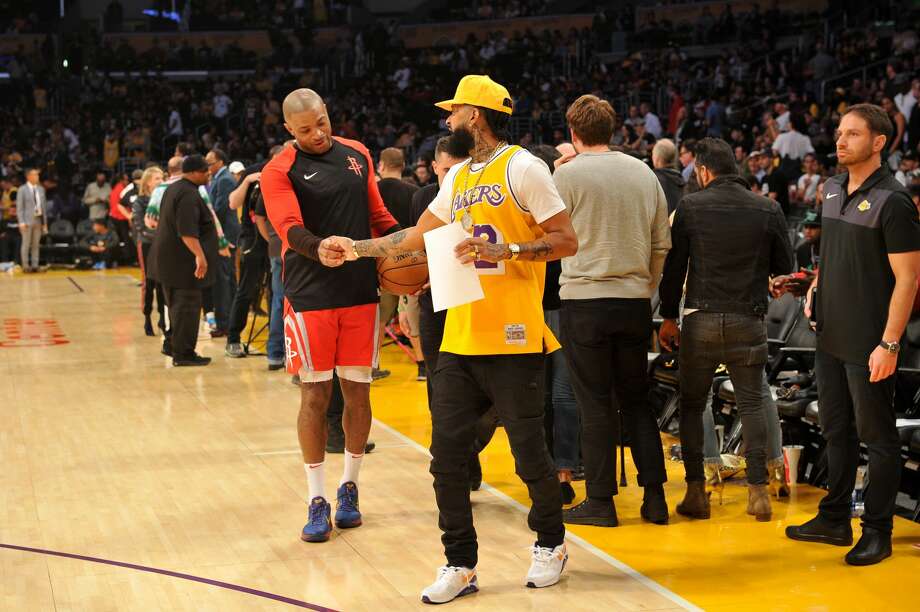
(252, 270)
(150, 288)
(605, 347)
(184, 309)
(850, 409)
(466, 387)
(739, 341)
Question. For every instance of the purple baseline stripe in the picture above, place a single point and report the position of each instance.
(153, 570)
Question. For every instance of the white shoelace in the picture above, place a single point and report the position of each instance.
(541, 555)
(449, 569)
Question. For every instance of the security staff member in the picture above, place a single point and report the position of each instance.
(870, 258)
(184, 255)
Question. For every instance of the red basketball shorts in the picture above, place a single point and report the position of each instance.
(342, 339)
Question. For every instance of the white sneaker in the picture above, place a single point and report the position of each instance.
(452, 582)
(547, 566)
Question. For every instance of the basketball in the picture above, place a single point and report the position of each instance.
(403, 274)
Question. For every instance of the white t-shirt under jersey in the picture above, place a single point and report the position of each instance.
(531, 184)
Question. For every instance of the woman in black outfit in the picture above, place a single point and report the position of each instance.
(143, 236)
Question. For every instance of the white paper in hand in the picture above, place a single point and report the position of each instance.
(452, 283)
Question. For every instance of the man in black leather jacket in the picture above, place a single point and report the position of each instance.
(732, 240)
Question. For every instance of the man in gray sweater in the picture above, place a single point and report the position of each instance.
(620, 215)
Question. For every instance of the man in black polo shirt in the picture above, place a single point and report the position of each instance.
(870, 259)
(184, 256)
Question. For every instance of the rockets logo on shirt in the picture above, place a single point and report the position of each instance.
(354, 166)
(490, 194)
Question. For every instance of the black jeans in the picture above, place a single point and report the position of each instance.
(252, 270)
(150, 286)
(184, 310)
(851, 409)
(739, 341)
(605, 346)
(466, 388)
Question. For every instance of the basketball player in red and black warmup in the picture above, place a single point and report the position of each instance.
(325, 186)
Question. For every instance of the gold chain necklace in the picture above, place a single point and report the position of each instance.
(467, 221)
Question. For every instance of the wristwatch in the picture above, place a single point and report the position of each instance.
(515, 249)
(354, 249)
(891, 347)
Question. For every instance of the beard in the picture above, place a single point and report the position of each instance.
(461, 142)
(856, 156)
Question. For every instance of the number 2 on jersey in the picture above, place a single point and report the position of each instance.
(490, 233)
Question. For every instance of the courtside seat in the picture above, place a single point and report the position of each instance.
(793, 409)
(915, 442)
(811, 413)
(727, 391)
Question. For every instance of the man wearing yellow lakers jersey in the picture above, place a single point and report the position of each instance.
(493, 350)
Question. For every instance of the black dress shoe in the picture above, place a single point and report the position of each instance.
(148, 327)
(272, 367)
(873, 547)
(192, 360)
(654, 505)
(167, 348)
(597, 512)
(822, 531)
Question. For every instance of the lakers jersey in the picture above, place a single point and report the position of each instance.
(510, 318)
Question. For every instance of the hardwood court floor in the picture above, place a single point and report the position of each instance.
(109, 452)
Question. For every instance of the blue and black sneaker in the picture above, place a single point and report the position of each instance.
(347, 514)
(319, 525)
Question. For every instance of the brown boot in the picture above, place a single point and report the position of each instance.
(759, 502)
(696, 502)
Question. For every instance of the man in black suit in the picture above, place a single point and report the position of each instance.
(184, 255)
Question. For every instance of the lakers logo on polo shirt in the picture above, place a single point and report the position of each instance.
(864, 206)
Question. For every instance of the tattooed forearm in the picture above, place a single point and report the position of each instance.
(382, 247)
(538, 250)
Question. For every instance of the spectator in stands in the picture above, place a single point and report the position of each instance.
(422, 172)
(723, 320)
(664, 157)
(184, 256)
(101, 246)
(870, 239)
(908, 170)
(96, 197)
(222, 184)
(652, 122)
(687, 164)
(143, 236)
(606, 309)
(32, 214)
(807, 255)
(793, 144)
(773, 181)
(900, 129)
(806, 190)
(715, 116)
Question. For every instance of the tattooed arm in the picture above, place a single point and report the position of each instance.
(558, 241)
(403, 241)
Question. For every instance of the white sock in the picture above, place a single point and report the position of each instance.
(316, 479)
(352, 466)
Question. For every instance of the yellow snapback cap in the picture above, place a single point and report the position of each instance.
(480, 90)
